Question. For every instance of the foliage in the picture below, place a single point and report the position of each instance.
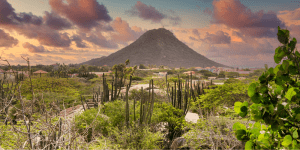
(257, 73)
(172, 116)
(207, 74)
(143, 66)
(232, 74)
(137, 137)
(223, 95)
(282, 130)
(100, 125)
(47, 84)
(212, 133)
(221, 74)
(137, 78)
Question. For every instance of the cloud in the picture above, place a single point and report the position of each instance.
(290, 15)
(148, 12)
(196, 33)
(84, 13)
(235, 15)
(34, 49)
(98, 39)
(9, 17)
(79, 42)
(45, 35)
(219, 38)
(29, 18)
(6, 40)
(124, 32)
(7, 13)
(56, 22)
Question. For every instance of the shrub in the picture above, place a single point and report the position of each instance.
(137, 78)
(100, 126)
(136, 137)
(212, 133)
(283, 121)
(223, 95)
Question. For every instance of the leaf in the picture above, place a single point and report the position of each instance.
(297, 117)
(292, 70)
(243, 114)
(287, 140)
(294, 144)
(295, 134)
(244, 109)
(271, 70)
(282, 38)
(278, 89)
(238, 126)
(297, 54)
(276, 69)
(245, 104)
(285, 65)
(290, 93)
(256, 98)
(264, 89)
(248, 145)
(240, 134)
(251, 89)
(237, 107)
(260, 137)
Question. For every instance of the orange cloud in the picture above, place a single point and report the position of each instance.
(235, 15)
(124, 32)
(6, 40)
(84, 13)
(34, 49)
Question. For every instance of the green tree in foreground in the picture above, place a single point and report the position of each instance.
(276, 106)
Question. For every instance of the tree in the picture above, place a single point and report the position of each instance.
(232, 74)
(143, 66)
(276, 86)
(221, 74)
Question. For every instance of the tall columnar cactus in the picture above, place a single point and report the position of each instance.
(127, 107)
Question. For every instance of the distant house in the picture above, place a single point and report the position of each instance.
(10, 71)
(189, 72)
(40, 72)
(198, 68)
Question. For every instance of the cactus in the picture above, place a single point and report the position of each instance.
(152, 102)
(127, 107)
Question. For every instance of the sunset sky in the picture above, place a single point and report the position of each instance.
(238, 33)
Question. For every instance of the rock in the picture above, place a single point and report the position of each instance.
(192, 117)
(178, 142)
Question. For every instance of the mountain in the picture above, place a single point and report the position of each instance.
(156, 47)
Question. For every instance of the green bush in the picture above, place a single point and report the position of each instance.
(137, 78)
(223, 95)
(100, 126)
(212, 133)
(137, 137)
(283, 121)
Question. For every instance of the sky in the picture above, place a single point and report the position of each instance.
(237, 33)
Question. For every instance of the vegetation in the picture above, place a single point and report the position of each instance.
(281, 129)
(37, 112)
